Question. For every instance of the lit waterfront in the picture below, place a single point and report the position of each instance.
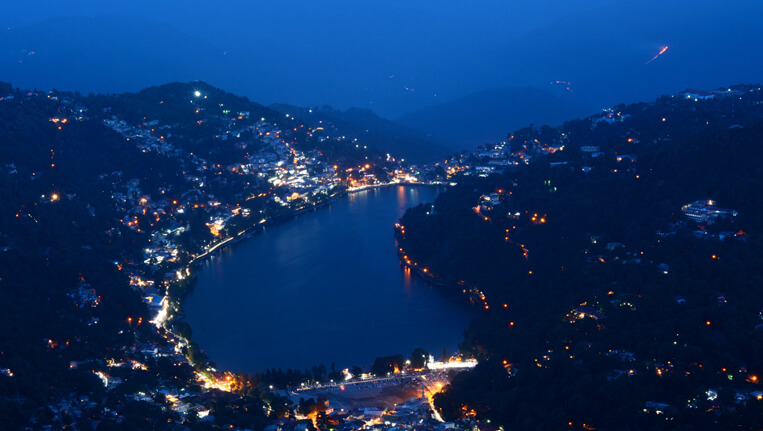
(325, 287)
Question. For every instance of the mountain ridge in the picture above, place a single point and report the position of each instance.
(371, 129)
(486, 115)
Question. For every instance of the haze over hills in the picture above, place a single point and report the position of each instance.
(485, 116)
(601, 52)
(105, 54)
(372, 130)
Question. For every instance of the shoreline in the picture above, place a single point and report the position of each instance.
(177, 302)
(253, 230)
(472, 294)
(455, 288)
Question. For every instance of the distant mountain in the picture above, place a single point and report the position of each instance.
(372, 130)
(603, 53)
(105, 54)
(487, 115)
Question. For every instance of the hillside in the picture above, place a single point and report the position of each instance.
(372, 130)
(487, 115)
(617, 262)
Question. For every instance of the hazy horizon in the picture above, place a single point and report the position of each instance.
(393, 57)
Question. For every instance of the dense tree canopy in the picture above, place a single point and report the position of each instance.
(602, 302)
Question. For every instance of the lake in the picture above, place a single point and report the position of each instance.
(324, 287)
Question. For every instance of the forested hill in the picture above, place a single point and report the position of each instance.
(373, 130)
(618, 262)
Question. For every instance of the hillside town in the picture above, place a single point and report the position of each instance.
(220, 173)
(208, 205)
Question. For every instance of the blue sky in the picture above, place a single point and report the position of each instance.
(392, 56)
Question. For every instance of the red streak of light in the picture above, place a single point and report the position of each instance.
(662, 51)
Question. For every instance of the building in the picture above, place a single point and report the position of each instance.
(697, 95)
(706, 212)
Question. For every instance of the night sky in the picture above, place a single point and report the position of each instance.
(393, 56)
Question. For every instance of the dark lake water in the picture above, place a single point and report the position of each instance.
(326, 286)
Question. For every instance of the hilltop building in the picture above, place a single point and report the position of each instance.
(706, 211)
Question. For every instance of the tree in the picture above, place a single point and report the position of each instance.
(387, 364)
(419, 358)
(356, 371)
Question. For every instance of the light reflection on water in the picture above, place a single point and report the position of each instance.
(326, 286)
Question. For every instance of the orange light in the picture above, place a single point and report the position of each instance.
(707, 323)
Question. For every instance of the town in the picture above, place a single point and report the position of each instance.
(272, 174)
(212, 169)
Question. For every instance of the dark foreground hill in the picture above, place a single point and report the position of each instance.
(619, 269)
